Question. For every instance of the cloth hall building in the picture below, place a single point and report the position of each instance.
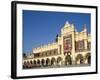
(70, 48)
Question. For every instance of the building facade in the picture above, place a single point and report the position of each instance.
(70, 48)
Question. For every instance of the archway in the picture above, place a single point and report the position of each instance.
(47, 61)
(68, 60)
(79, 59)
(59, 61)
(31, 62)
(42, 62)
(25, 65)
(35, 62)
(88, 58)
(53, 61)
(38, 62)
(28, 64)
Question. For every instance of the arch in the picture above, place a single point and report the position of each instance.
(53, 61)
(47, 61)
(68, 60)
(59, 61)
(34, 61)
(38, 61)
(31, 62)
(25, 64)
(42, 61)
(88, 58)
(28, 62)
(79, 59)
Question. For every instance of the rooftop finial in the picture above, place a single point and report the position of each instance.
(84, 27)
(67, 23)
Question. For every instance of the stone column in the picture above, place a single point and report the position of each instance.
(73, 46)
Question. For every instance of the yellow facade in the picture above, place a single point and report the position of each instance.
(71, 48)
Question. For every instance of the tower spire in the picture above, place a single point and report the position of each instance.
(84, 28)
(67, 24)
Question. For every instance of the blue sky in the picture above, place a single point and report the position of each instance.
(41, 27)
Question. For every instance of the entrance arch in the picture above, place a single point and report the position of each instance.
(47, 61)
(25, 65)
(42, 62)
(28, 64)
(38, 62)
(35, 62)
(31, 62)
(88, 58)
(59, 61)
(68, 60)
(79, 59)
(53, 61)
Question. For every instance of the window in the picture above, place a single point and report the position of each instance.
(60, 48)
(89, 45)
(67, 42)
(81, 45)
